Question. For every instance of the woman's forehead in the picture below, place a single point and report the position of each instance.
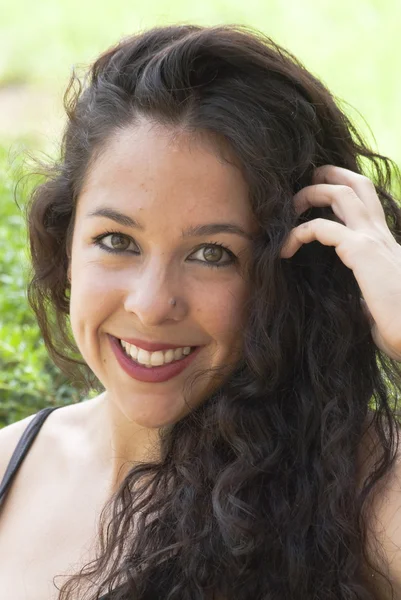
(148, 168)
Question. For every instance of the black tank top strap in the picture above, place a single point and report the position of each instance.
(18, 456)
(22, 448)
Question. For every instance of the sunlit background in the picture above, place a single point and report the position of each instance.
(354, 47)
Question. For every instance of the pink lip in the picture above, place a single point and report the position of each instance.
(150, 346)
(155, 374)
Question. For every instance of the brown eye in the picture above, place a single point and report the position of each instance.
(119, 241)
(213, 253)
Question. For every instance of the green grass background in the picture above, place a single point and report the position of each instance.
(354, 47)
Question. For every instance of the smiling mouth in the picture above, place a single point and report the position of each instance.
(159, 358)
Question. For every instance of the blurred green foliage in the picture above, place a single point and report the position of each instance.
(28, 379)
(354, 47)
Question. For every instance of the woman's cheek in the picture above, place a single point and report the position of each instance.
(93, 297)
(222, 310)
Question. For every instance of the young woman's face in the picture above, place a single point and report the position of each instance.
(155, 190)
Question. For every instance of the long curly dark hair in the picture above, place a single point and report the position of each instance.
(256, 492)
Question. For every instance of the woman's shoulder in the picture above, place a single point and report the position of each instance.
(9, 438)
(384, 513)
(51, 432)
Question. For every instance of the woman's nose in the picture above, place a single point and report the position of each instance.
(149, 297)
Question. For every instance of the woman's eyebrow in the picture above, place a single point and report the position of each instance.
(115, 215)
(197, 230)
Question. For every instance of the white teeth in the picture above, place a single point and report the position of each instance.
(132, 350)
(154, 359)
(178, 353)
(143, 357)
(157, 358)
(169, 356)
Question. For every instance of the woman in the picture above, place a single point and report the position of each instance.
(209, 253)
